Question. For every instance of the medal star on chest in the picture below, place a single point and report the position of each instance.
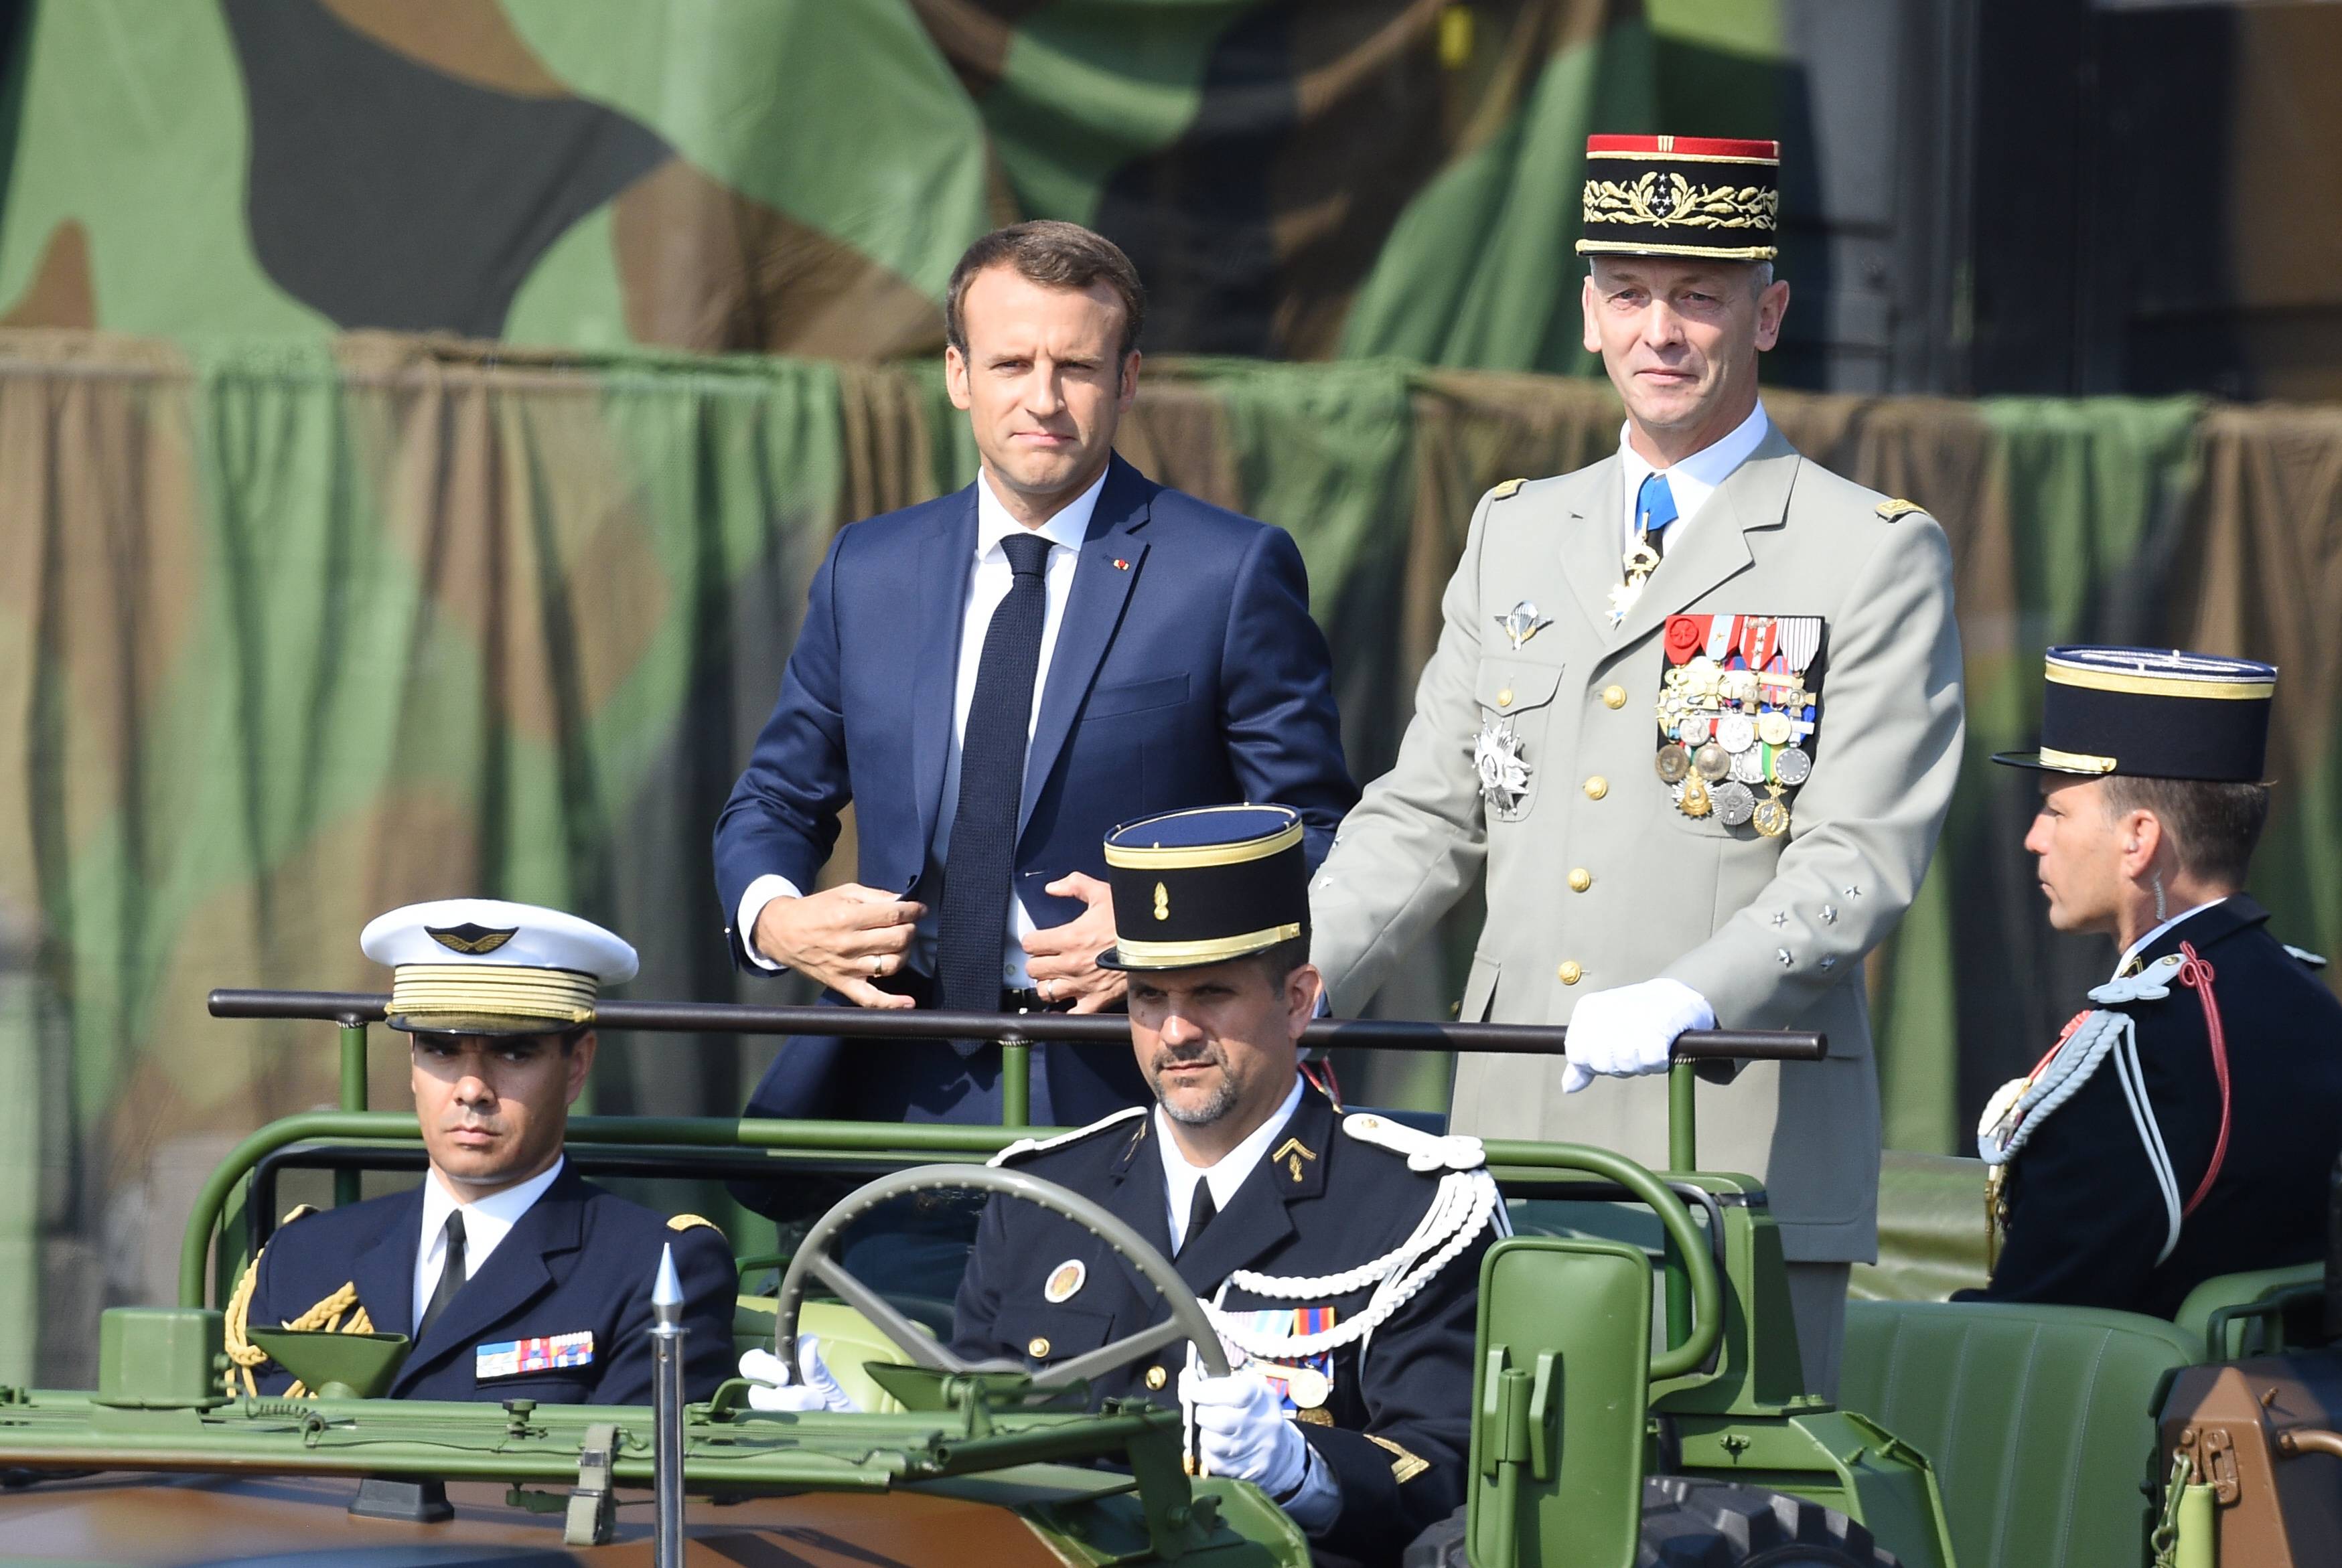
(1638, 563)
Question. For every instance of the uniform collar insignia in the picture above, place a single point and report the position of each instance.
(1292, 1152)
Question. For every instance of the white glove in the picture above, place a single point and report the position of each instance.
(1241, 1431)
(772, 1386)
(1630, 1029)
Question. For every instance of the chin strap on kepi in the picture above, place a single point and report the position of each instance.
(2197, 975)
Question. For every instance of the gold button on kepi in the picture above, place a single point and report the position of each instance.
(1614, 697)
(1597, 787)
(1037, 1348)
(1505, 698)
(1156, 1377)
(1580, 879)
(1570, 974)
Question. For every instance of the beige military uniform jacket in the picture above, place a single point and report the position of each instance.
(1594, 879)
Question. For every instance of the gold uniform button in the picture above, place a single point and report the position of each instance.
(1156, 1377)
(1570, 973)
(1505, 698)
(1039, 1349)
(1614, 697)
(1580, 880)
(1597, 787)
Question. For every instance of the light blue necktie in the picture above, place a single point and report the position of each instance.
(1655, 508)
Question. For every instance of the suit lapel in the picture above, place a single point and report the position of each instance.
(1093, 610)
(946, 562)
(515, 1273)
(1256, 1220)
(1589, 542)
(1754, 495)
(385, 1272)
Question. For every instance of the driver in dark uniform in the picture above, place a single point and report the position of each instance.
(1336, 1255)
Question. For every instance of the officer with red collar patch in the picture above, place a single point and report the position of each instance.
(2184, 1126)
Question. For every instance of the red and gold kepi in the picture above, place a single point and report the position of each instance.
(1707, 197)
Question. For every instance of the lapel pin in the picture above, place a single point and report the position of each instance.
(1120, 565)
(1522, 622)
(1065, 1279)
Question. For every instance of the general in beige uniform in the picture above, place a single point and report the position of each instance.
(1552, 747)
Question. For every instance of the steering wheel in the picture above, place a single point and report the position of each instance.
(813, 1262)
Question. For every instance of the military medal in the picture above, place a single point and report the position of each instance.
(1736, 732)
(1749, 767)
(1712, 762)
(1735, 715)
(1772, 727)
(1640, 563)
(1504, 775)
(1771, 817)
(1693, 801)
(1522, 622)
(1307, 1387)
(1674, 763)
(1791, 766)
(1735, 803)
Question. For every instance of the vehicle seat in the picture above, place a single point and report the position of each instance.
(2195, 1314)
(847, 1340)
(2040, 1420)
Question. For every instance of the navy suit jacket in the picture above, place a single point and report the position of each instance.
(1187, 672)
(582, 1260)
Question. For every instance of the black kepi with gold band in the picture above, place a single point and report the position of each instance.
(2153, 712)
(1206, 886)
(485, 967)
(1708, 197)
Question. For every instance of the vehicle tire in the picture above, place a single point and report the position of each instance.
(1691, 1523)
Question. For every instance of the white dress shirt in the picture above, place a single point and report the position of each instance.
(2144, 943)
(1225, 1174)
(1691, 481)
(987, 585)
(486, 1222)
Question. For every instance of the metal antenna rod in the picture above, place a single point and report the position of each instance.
(668, 1335)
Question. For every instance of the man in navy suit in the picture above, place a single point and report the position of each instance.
(514, 1277)
(994, 680)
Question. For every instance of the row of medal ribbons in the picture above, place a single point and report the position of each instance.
(1734, 716)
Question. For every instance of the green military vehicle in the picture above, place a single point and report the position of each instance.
(1988, 1436)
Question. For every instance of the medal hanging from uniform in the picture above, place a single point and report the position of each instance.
(1738, 709)
(1655, 508)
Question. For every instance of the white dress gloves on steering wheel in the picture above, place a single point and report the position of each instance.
(1630, 1029)
(773, 1385)
(1242, 1433)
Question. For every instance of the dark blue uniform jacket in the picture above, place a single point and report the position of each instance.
(581, 1259)
(1187, 672)
(1401, 1419)
(2085, 1216)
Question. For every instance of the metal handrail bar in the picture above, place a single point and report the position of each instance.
(348, 1007)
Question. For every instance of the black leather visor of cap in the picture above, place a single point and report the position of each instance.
(1200, 887)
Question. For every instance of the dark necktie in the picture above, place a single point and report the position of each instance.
(451, 1276)
(973, 919)
(1655, 508)
(1200, 1213)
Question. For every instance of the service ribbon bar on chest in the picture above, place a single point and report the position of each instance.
(1736, 714)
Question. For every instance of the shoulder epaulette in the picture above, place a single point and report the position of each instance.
(2152, 984)
(1895, 511)
(1423, 1151)
(1025, 1146)
(2315, 959)
(1508, 488)
(693, 1223)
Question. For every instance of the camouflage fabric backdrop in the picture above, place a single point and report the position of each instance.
(1294, 178)
(289, 635)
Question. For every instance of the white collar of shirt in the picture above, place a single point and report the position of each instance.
(1069, 527)
(2144, 943)
(486, 1222)
(1179, 1177)
(1692, 481)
